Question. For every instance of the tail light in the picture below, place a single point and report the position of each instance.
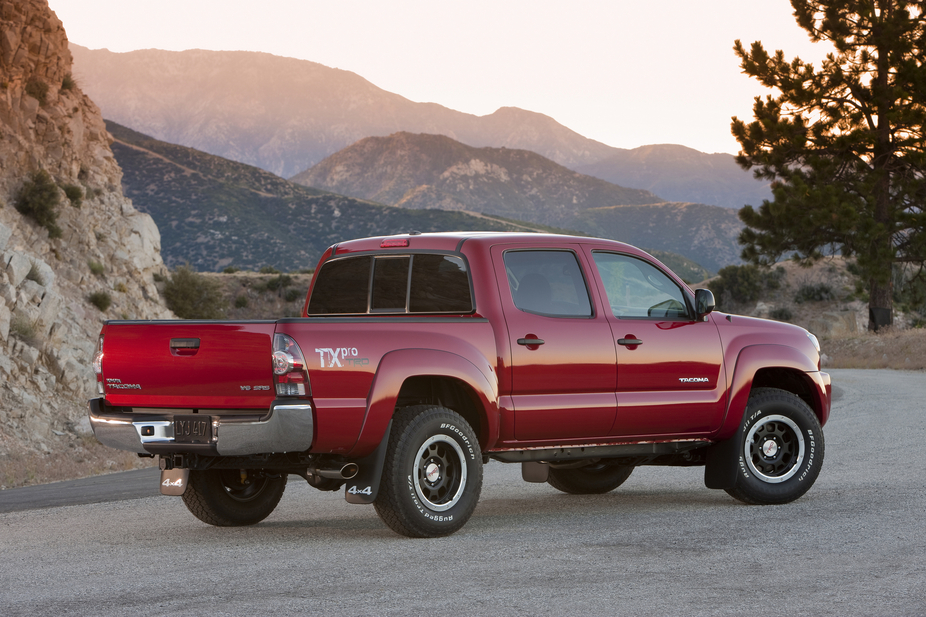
(98, 366)
(289, 372)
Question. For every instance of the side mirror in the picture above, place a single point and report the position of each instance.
(704, 302)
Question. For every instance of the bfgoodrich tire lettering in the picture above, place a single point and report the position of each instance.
(781, 449)
(432, 475)
(233, 497)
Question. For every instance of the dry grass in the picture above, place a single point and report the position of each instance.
(894, 349)
(73, 457)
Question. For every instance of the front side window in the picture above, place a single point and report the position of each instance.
(636, 288)
(424, 283)
(547, 283)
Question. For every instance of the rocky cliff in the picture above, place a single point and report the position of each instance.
(99, 244)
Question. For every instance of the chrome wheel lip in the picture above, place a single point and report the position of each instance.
(424, 468)
(748, 454)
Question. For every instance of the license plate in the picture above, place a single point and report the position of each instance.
(192, 429)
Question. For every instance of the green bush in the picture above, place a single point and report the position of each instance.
(100, 299)
(279, 282)
(744, 284)
(121, 287)
(230, 270)
(74, 193)
(23, 329)
(781, 314)
(292, 295)
(193, 296)
(38, 90)
(38, 198)
(814, 292)
(269, 270)
(241, 301)
(96, 267)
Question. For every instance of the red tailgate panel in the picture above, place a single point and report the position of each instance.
(228, 368)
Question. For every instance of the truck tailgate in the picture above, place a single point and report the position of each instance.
(188, 365)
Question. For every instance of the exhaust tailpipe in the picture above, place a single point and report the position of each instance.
(345, 472)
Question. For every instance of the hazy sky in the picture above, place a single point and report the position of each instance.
(627, 73)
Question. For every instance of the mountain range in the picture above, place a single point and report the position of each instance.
(434, 171)
(214, 213)
(285, 115)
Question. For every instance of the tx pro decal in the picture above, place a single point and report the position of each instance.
(331, 357)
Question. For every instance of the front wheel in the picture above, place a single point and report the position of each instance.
(595, 478)
(233, 497)
(781, 450)
(432, 475)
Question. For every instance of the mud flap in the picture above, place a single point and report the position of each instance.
(723, 462)
(174, 481)
(364, 487)
(532, 471)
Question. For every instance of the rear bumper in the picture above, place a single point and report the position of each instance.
(287, 428)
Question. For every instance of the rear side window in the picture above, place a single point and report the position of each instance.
(389, 284)
(547, 283)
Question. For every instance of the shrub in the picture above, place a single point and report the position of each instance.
(121, 288)
(68, 82)
(74, 193)
(100, 299)
(780, 314)
(279, 282)
(23, 329)
(744, 284)
(38, 90)
(230, 270)
(96, 267)
(814, 292)
(158, 277)
(241, 301)
(269, 270)
(193, 296)
(38, 198)
(292, 295)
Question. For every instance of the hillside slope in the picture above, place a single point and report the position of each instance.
(215, 213)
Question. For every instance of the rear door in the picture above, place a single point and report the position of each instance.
(670, 378)
(188, 364)
(563, 357)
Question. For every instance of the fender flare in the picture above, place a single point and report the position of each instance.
(721, 466)
(397, 366)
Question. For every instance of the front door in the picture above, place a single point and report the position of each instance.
(562, 353)
(670, 378)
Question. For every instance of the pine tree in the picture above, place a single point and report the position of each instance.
(843, 145)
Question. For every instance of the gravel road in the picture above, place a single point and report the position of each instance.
(660, 545)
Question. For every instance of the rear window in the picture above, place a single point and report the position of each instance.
(389, 284)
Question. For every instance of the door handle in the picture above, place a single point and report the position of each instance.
(531, 341)
(629, 341)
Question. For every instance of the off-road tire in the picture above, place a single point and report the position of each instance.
(780, 451)
(432, 475)
(233, 497)
(597, 477)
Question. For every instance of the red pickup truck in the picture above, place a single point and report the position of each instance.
(420, 357)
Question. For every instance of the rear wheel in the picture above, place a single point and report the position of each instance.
(599, 476)
(233, 497)
(432, 475)
(781, 451)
